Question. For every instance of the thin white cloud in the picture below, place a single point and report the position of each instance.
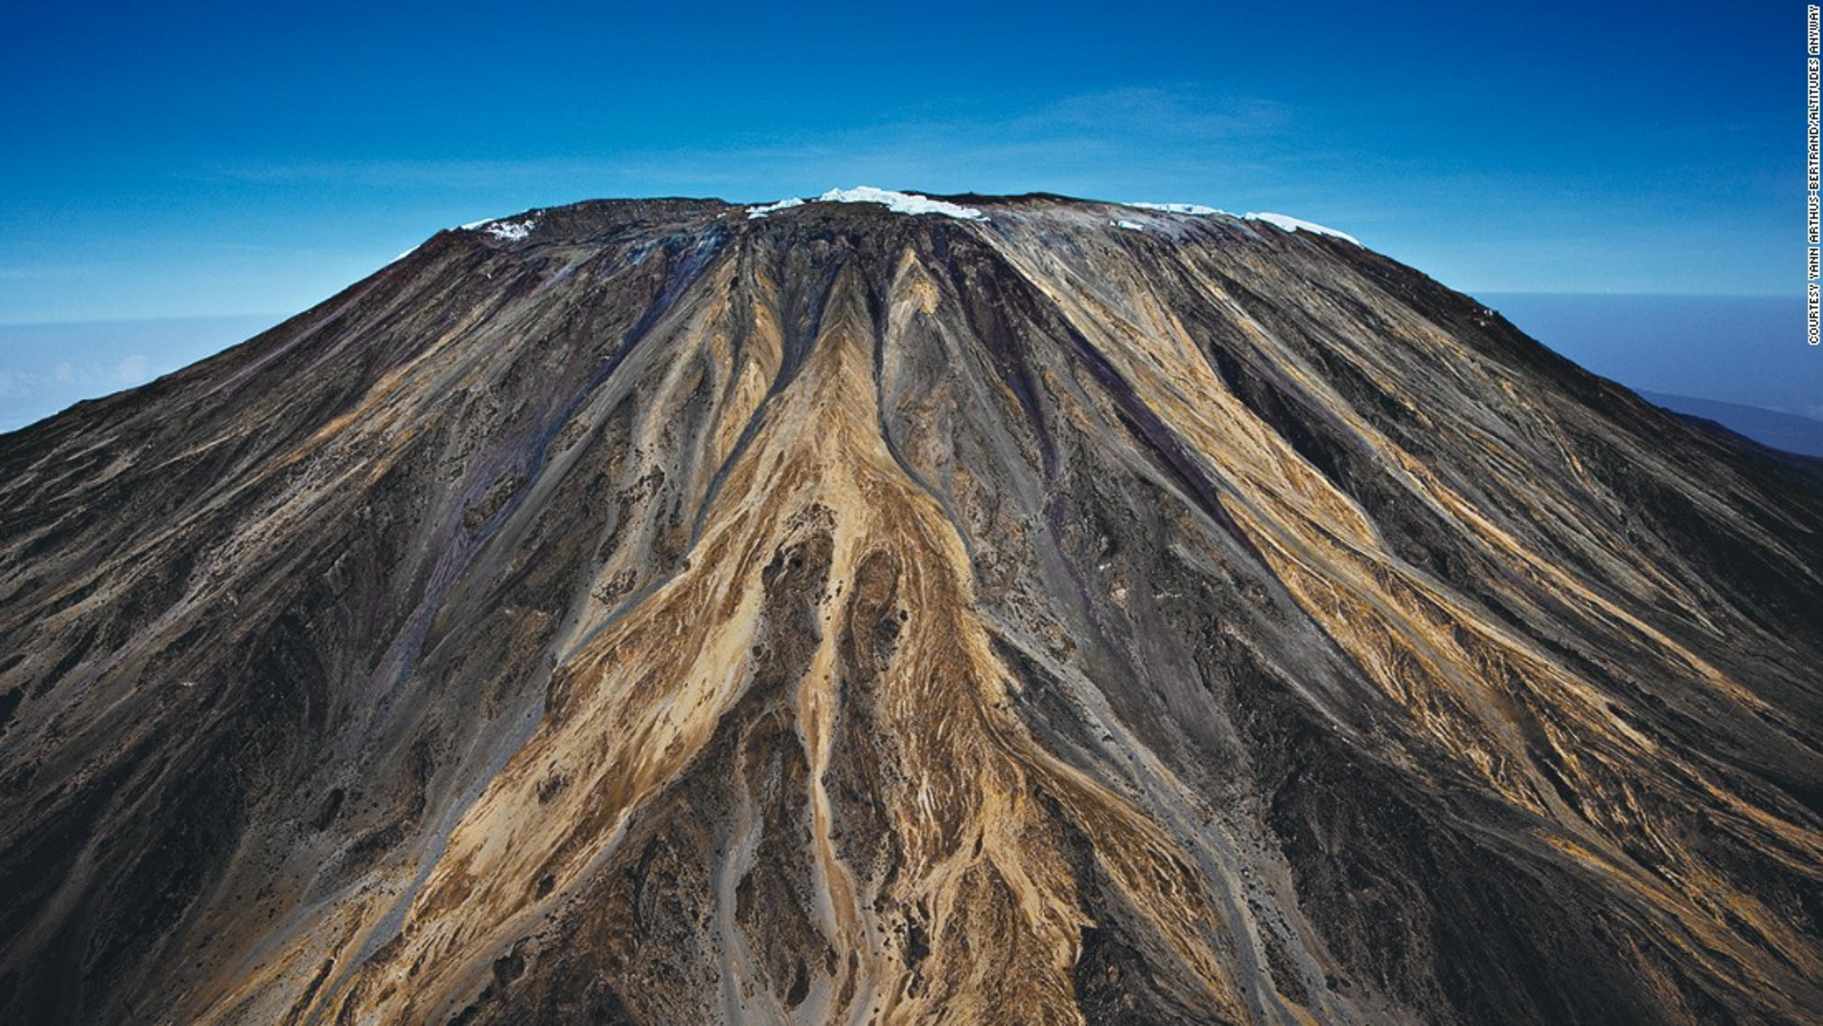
(132, 370)
(1074, 142)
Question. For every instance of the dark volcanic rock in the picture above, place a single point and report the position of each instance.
(635, 612)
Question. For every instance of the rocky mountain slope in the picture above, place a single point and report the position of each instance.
(1035, 611)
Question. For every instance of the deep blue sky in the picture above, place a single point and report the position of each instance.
(244, 159)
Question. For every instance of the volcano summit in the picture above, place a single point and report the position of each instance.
(878, 610)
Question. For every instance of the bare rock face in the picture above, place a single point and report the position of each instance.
(648, 613)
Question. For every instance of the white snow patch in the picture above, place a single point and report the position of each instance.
(1292, 224)
(501, 228)
(1133, 226)
(1178, 208)
(755, 213)
(901, 202)
(512, 231)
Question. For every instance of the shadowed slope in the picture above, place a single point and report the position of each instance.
(851, 617)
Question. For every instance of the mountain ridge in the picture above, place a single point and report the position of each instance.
(661, 615)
